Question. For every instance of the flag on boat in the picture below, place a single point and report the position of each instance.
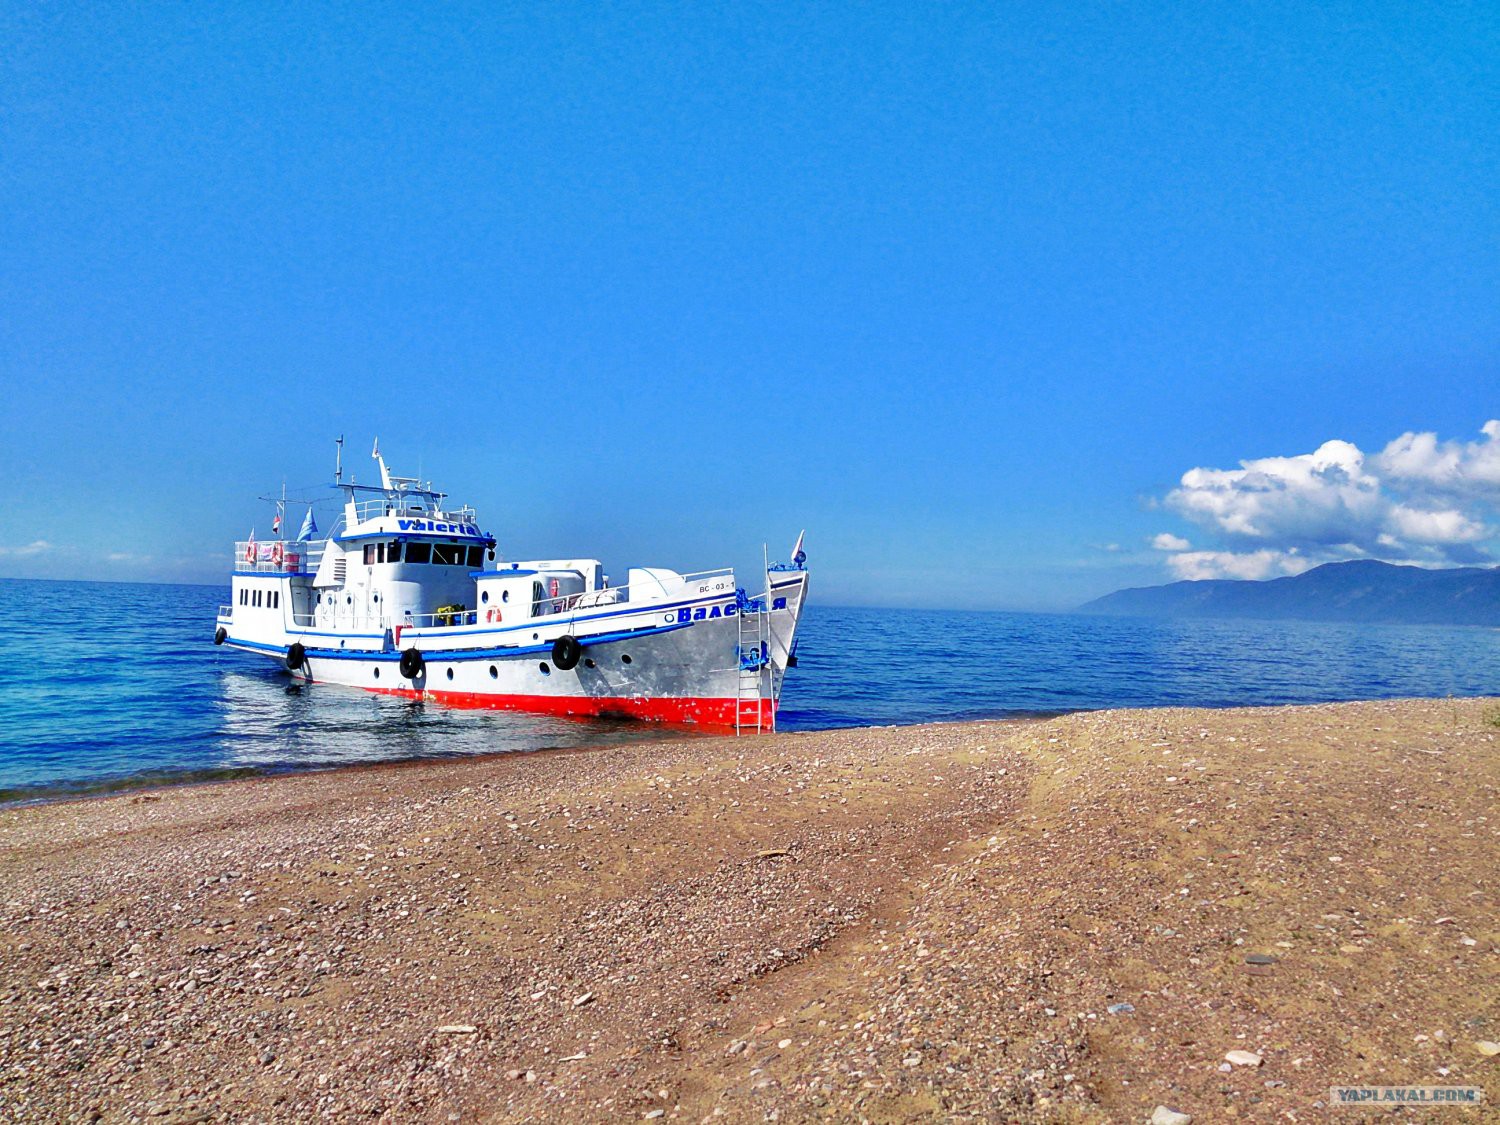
(309, 525)
(799, 556)
(375, 453)
(276, 523)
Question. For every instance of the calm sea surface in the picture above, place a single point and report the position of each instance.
(115, 685)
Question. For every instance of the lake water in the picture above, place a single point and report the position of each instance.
(118, 685)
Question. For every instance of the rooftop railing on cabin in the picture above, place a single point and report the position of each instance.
(409, 506)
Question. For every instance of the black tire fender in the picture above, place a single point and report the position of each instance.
(412, 664)
(566, 653)
(221, 635)
(296, 656)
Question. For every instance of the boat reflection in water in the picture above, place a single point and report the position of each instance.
(268, 726)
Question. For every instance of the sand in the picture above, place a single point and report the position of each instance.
(1069, 920)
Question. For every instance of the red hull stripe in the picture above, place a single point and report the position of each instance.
(701, 711)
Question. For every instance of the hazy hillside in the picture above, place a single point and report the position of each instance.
(1349, 591)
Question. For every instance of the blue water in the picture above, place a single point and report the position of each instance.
(114, 685)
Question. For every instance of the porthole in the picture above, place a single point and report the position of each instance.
(505, 595)
(450, 673)
(377, 673)
(546, 671)
(485, 597)
(534, 636)
(588, 661)
(348, 599)
(624, 658)
(494, 672)
(375, 597)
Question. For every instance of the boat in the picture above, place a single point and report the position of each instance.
(407, 595)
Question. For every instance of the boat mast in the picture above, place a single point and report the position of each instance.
(338, 463)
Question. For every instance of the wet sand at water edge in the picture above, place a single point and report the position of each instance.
(1066, 920)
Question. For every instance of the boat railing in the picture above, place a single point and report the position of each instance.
(411, 506)
(367, 623)
(446, 619)
(642, 593)
(276, 556)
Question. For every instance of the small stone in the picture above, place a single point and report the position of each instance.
(912, 1060)
(580, 1001)
(456, 1029)
(267, 1057)
(515, 1074)
(1243, 1058)
(530, 1076)
(784, 1044)
(1161, 1115)
(655, 1113)
(1121, 1009)
(1260, 959)
(1488, 1049)
(736, 1047)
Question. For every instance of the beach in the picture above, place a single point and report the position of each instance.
(1072, 919)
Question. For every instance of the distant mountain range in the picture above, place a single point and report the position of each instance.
(1362, 590)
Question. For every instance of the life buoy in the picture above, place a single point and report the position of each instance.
(566, 653)
(249, 552)
(276, 555)
(412, 664)
(492, 615)
(296, 656)
(220, 635)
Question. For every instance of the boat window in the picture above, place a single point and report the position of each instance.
(418, 552)
(369, 554)
(447, 554)
(485, 597)
(275, 599)
(476, 557)
(393, 552)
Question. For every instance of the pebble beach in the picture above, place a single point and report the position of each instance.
(1108, 916)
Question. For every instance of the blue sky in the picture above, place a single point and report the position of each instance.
(1009, 306)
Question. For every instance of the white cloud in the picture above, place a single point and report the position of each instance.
(1418, 500)
(1447, 466)
(1449, 526)
(39, 547)
(1196, 565)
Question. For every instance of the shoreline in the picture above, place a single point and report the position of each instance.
(933, 922)
(124, 786)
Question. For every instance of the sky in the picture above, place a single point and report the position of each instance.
(1008, 305)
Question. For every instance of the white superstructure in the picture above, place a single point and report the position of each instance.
(410, 596)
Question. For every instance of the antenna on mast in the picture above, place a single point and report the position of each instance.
(338, 464)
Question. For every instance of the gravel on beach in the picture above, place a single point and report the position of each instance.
(1113, 916)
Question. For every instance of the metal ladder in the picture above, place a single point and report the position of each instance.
(754, 663)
